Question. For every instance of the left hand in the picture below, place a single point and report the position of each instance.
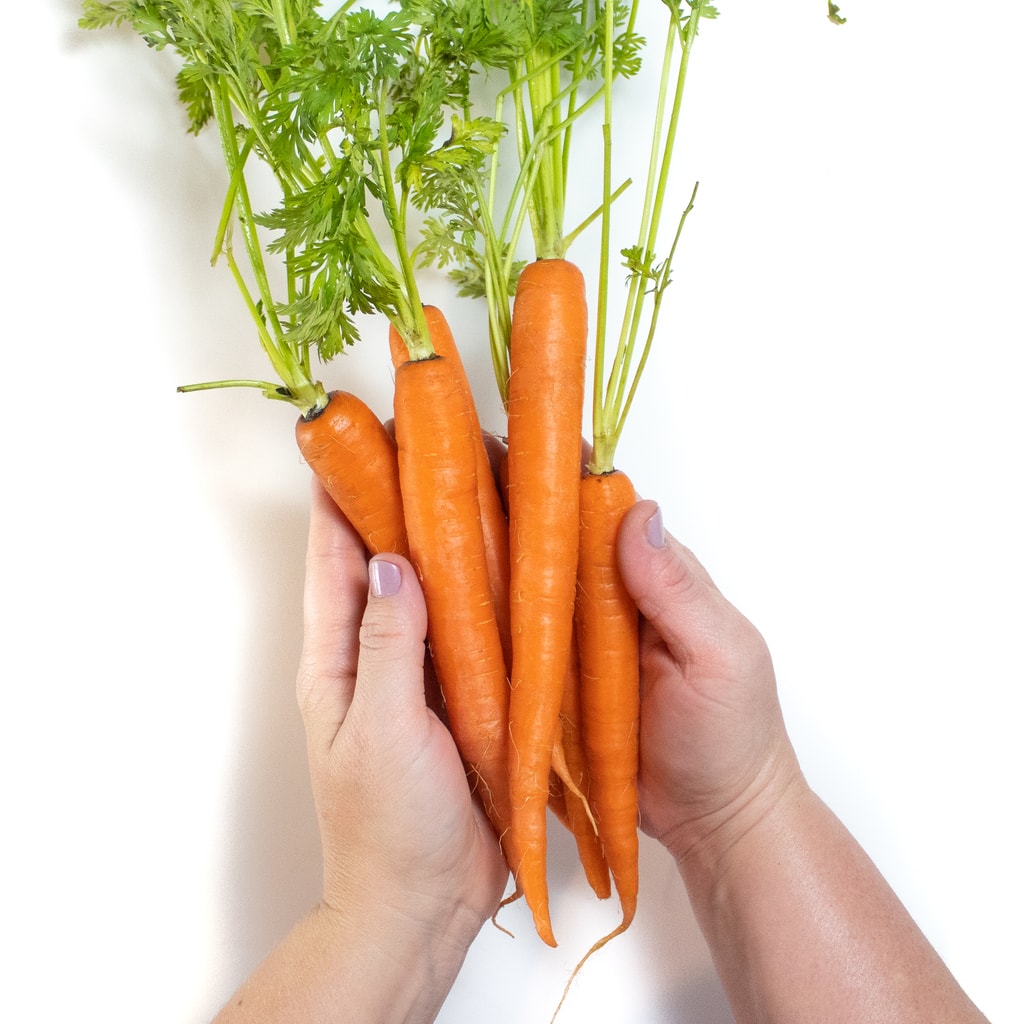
(399, 826)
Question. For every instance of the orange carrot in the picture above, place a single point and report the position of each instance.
(434, 428)
(547, 356)
(607, 625)
(569, 758)
(356, 460)
(492, 510)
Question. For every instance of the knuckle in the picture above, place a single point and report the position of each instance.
(381, 633)
(674, 575)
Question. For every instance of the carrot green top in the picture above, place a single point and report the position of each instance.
(364, 119)
(551, 56)
(617, 370)
(348, 113)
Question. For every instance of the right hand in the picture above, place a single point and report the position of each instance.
(714, 753)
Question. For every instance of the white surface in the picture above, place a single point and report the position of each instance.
(833, 421)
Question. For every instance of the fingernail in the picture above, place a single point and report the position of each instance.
(385, 578)
(656, 529)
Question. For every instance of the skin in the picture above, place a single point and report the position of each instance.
(411, 866)
(801, 925)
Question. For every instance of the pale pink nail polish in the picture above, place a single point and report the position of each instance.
(385, 578)
(656, 529)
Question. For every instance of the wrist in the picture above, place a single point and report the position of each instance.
(352, 964)
(704, 844)
(394, 959)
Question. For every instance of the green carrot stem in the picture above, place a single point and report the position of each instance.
(601, 327)
(411, 322)
(615, 391)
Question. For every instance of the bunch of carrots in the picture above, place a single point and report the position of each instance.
(368, 117)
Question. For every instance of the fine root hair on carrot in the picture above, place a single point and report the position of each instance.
(497, 910)
(596, 947)
(561, 769)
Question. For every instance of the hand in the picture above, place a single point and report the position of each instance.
(713, 748)
(401, 833)
(800, 923)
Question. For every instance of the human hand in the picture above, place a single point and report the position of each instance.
(401, 833)
(714, 753)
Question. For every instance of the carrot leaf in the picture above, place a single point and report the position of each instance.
(619, 366)
(360, 117)
(833, 14)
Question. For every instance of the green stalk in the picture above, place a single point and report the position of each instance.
(285, 21)
(614, 393)
(544, 114)
(243, 206)
(496, 276)
(546, 195)
(601, 328)
(227, 212)
(306, 393)
(652, 217)
(269, 389)
(499, 315)
(659, 293)
(411, 321)
(599, 212)
(634, 300)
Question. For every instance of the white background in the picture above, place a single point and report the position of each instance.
(832, 420)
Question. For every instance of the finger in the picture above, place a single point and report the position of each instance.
(333, 602)
(391, 648)
(672, 590)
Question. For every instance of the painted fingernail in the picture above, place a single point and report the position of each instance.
(656, 529)
(385, 578)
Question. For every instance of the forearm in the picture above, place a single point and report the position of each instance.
(333, 967)
(803, 928)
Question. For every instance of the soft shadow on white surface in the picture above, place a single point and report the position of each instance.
(271, 867)
(658, 972)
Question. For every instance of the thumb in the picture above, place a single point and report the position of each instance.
(391, 649)
(672, 590)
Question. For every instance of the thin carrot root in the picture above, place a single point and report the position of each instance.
(507, 901)
(600, 944)
(561, 769)
(577, 813)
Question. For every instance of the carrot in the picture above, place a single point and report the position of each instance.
(434, 429)
(356, 460)
(492, 509)
(607, 624)
(569, 759)
(546, 391)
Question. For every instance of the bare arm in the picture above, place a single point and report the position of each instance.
(801, 925)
